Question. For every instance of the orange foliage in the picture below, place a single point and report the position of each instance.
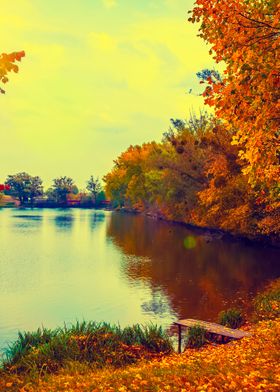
(222, 172)
(194, 176)
(245, 35)
(128, 183)
(7, 64)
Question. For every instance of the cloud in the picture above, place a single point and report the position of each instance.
(93, 82)
(152, 53)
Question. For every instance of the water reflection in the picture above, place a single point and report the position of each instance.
(64, 222)
(200, 276)
(64, 265)
(157, 305)
(29, 217)
(96, 218)
(26, 222)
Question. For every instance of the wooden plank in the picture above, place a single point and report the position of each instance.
(179, 338)
(214, 328)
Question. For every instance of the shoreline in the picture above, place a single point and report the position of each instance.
(213, 232)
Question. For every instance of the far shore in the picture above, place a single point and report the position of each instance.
(211, 233)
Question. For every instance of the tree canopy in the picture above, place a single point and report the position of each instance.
(94, 187)
(61, 188)
(245, 36)
(24, 186)
(223, 170)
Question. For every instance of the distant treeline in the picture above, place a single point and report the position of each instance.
(27, 190)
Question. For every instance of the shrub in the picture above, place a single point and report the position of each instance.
(267, 304)
(196, 337)
(231, 318)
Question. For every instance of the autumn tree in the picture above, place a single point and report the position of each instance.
(130, 181)
(116, 186)
(223, 170)
(7, 64)
(3, 188)
(245, 36)
(227, 201)
(181, 162)
(162, 177)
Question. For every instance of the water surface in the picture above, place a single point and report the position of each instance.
(59, 266)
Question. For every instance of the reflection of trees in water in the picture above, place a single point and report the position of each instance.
(64, 222)
(25, 222)
(29, 217)
(95, 219)
(199, 282)
(157, 305)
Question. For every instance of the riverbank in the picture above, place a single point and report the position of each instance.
(212, 232)
(250, 364)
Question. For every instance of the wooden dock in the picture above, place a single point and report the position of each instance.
(212, 328)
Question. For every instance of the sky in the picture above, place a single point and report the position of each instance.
(98, 76)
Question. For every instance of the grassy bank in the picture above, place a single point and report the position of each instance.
(247, 365)
(142, 359)
(94, 344)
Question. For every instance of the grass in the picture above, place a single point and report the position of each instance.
(98, 344)
(231, 318)
(196, 337)
(267, 303)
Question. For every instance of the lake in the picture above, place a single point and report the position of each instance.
(60, 266)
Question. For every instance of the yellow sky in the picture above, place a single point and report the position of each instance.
(98, 76)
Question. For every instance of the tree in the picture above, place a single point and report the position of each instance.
(7, 64)
(245, 36)
(127, 182)
(35, 188)
(223, 170)
(116, 186)
(25, 187)
(62, 186)
(3, 188)
(94, 187)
